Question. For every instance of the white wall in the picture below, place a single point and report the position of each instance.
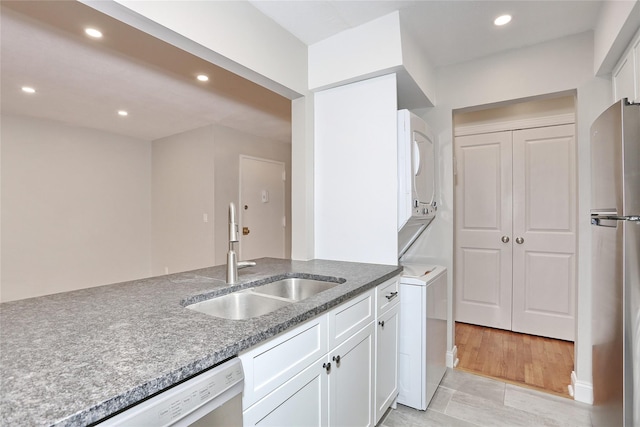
(75, 208)
(420, 70)
(368, 50)
(302, 183)
(234, 35)
(618, 21)
(557, 66)
(356, 180)
(375, 48)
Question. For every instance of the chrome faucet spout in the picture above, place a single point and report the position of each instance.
(232, 259)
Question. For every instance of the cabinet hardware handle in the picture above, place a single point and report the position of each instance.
(327, 366)
(519, 240)
(336, 359)
(381, 323)
(505, 239)
(391, 296)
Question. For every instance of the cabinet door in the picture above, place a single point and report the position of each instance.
(483, 230)
(624, 79)
(302, 401)
(351, 380)
(387, 335)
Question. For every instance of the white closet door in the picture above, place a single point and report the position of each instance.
(544, 231)
(483, 218)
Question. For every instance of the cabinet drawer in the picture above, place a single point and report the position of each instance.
(387, 294)
(349, 317)
(271, 364)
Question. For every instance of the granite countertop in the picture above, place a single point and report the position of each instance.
(74, 358)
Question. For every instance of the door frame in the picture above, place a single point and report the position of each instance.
(509, 125)
(284, 190)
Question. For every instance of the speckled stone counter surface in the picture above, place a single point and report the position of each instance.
(76, 357)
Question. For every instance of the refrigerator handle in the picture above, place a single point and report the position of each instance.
(611, 220)
(604, 222)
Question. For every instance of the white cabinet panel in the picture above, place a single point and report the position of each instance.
(273, 363)
(350, 317)
(351, 381)
(387, 294)
(626, 74)
(387, 348)
(624, 79)
(636, 55)
(324, 371)
(302, 401)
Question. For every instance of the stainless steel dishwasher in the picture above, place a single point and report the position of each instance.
(212, 399)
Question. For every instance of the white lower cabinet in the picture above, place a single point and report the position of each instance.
(351, 380)
(302, 401)
(325, 371)
(387, 336)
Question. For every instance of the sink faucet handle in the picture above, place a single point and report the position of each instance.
(233, 226)
(242, 264)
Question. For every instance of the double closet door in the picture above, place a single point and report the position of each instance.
(515, 230)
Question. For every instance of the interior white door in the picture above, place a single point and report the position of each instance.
(483, 227)
(544, 231)
(262, 211)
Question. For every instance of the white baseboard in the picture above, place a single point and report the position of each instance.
(581, 391)
(452, 357)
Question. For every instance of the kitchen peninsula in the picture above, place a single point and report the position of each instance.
(74, 358)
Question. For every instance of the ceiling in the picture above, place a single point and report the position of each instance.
(449, 31)
(84, 82)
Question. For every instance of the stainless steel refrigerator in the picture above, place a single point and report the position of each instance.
(615, 252)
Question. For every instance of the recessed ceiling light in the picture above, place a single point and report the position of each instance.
(203, 77)
(123, 113)
(92, 32)
(502, 20)
(28, 89)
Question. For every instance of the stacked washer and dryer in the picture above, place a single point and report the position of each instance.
(423, 287)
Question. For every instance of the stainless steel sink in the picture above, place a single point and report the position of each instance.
(294, 288)
(262, 299)
(239, 305)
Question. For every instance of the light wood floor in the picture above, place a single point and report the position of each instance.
(536, 362)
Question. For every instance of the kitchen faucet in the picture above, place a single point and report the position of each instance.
(232, 260)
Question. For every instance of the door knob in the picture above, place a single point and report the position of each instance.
(327, 367)
(519, 240)
(245, 231)
(505, 239)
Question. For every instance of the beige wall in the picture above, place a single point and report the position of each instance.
(197, 173)
(83, 208)
(182, 192)
(229, 145)
(75, 208)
